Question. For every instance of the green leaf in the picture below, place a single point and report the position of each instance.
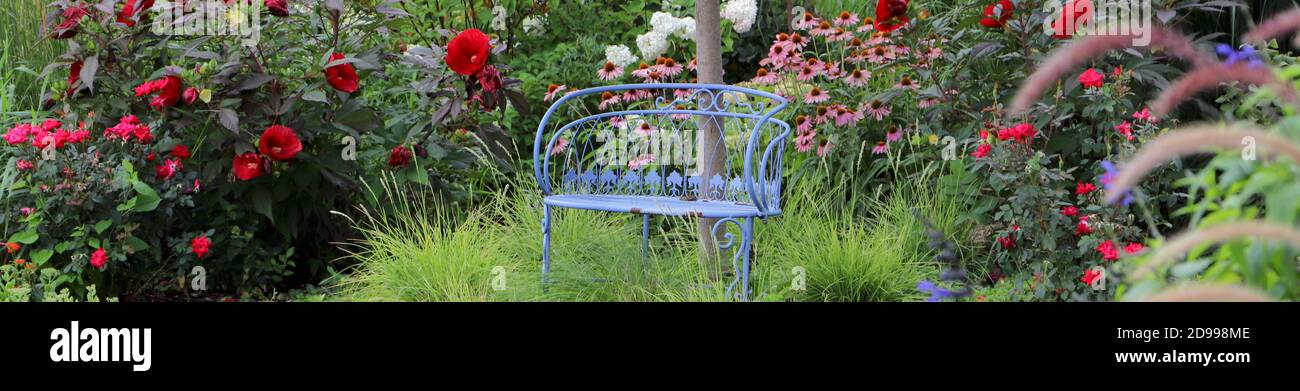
(42, 255)
(148, 198)
(93, 243)
(136, 244)
(103, 225)
(26, 237)
(262, 201)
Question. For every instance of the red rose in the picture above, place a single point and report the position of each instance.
(982, 150)
(1133, 248)
(400, 156)
(1083, 228)
(167, 169)
(891, 15)
(342, 77)
(191, 94)
(200, 245)
(1090, 275)
(129, 11)
(247, 166)
(1007, 242)
(99, 258)
(278, 7)
(468, 52)
(180, 152)
(1091, 78)
(995, 17)
(279, 143)
(1070, 211)
(1108, 251)
(1084, 188)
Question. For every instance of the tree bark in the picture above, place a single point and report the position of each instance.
(712, 154)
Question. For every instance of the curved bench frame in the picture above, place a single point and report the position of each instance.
(761, 183)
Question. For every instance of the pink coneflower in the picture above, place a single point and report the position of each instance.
(798, 41)
(670, 68)
(636, 95)
(822, 29)
(901, 50)
(763, 77)
(833, 71)
(868, 24)
(553, 89)
(907, 84)
(933, 53)
(609, 71)
(1125, 128)
(804, 141)
(858, 77)
(845, 117)
(878, 55)
(642, 70)
(775, 59)
(806, 73)
(802, 123)
(893, 134)
(816, 95)
(878, 38)
(881, 148)
(846, 19)
(678, 116)
(653, 76)
(560, 145)
(824, 147)
(824, 113)
(641, 161)
(617, 122)
(645, 129)
(692, 65)
(607, 99)
(923, 63)
(876, 109)
(926, 103)
(839, 36)
(807, 21)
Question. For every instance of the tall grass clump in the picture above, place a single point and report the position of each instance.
(417, 249)
(841, 256)
(24, 54)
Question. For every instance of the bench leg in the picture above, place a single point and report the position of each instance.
(746, 247)
(740, 260)
(546, 243)
(645, 240)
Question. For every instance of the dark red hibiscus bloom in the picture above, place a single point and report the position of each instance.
(247, 166)
(342, 77)
(278, 7)
(399, 157)
(180, 152)
(130, 10)
(1072, 15)
(168, 89)
(71, 23)
(279, 143)
(997, 14)
(891, 15)
(468, 52)
(74, 76)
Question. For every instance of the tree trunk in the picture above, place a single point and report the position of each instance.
(712, 154)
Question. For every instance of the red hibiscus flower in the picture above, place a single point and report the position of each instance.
(1108, 251)
(278, 7)
(468, 52)
(200, 245)
(167, 169)
(130, 10)
(996, 15)
(99, 258)
(342, 77)
(400, 156)
(1070, 211)
(1090, 275)
(168, 89)
(71, 23)
(247, 166)
(1084, 188)
(279, 143)
(1076, 13)
(891, 15)
(74, 76)
(1091, 78)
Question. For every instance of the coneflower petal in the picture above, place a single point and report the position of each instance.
(1070, 57)
(1203, 78)
(1189, 140)
(1186, 241)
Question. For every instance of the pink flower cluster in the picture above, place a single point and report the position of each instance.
(129, 127)
(48, 132)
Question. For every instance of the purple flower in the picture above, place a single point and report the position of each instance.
(1246, 54)
(937, 293)
(1110, 174)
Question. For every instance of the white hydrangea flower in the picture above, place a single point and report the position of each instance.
(663, 22)
(619, 55)
(685, 28)
(652, 44)
(498, 18)
(534, 25)
(741, 13)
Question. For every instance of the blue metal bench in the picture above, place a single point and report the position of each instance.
(633, 149)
